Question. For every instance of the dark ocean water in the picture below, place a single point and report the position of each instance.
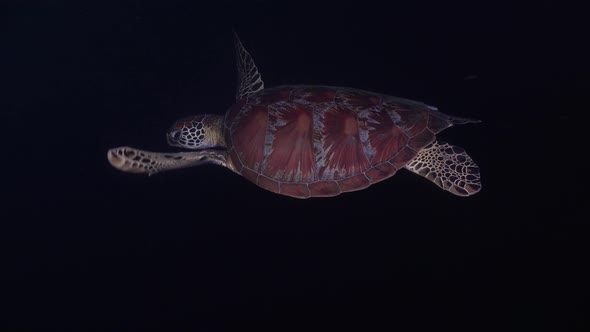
(84, 247)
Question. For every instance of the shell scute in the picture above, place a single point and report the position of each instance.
(288, 153)
(421, 140)
(381, 137)
(252, 124)
(342, 153)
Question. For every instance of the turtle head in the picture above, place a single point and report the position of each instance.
(197, 132)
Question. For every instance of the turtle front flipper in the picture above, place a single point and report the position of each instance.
(131, 160)
(449, 167)
(249, 79)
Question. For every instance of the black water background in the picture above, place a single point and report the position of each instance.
(85, 247)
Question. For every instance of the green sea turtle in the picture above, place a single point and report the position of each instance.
(313, 141)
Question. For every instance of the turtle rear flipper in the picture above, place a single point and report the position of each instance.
(449, 167)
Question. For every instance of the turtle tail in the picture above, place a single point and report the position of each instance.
(438, 121)
(456, 120)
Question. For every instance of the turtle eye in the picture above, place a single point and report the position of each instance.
(174, 135)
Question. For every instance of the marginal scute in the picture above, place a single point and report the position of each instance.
(353, 183)
(312, 95)
(356, 100)
(268, 184)
(437, 124)
(269, 97)
(324, 189)
(403, 157)
(233, 156)
(233, 112)
(295, 190)
(249, 174)
(381, 172)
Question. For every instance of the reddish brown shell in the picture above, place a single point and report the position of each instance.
(304, 141)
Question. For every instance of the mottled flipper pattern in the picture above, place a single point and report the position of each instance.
(249, 79)
(449, 167)
(131, 160)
